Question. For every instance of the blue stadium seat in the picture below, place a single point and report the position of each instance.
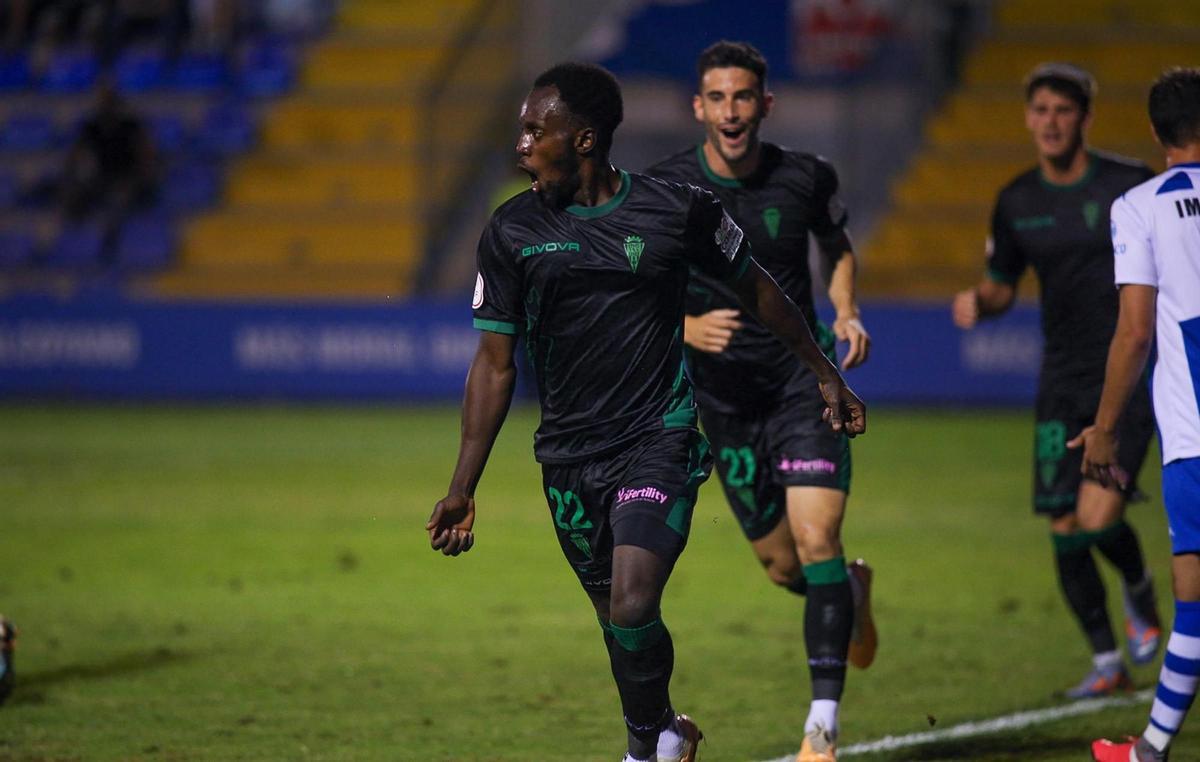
(190, 187)
(169, 132)
(266, 70)
(78, 247)
(200, 71)
(14, 72)
(10, 189)
(140, 69)
(72, 70)
(28, 131)
(17, 248)
(146, 242)
(227, 129)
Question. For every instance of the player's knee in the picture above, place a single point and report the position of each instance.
(633, 608)
(818, 546)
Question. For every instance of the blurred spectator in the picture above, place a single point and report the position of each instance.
(214, 24)
(111, 169)
(129, 22)
(43, 25)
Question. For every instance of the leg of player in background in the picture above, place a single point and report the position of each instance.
(815, 519)
(1101, 515)
(776, 551)
(1084, 590)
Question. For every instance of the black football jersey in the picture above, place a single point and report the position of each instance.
(790, 195)
(1062, 232)
(598, 293)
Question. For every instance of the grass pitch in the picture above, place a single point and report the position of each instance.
(255, 584)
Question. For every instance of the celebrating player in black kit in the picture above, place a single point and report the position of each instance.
(785, 475)
(591, 265)
(1055, 218)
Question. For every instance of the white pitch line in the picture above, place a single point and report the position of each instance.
(994, 725)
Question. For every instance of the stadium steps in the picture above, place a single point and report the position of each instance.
(336, 200)
(930, 242)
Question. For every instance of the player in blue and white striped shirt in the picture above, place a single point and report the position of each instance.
(1156, 243)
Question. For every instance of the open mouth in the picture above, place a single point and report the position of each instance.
(733, 134)
(533, 179)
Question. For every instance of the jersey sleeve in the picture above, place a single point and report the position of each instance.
(829, 216)
(497, 304)
(717, 246)
(1133, 255)
(1005, 260)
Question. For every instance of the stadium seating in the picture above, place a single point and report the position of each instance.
(202, 106)
(336, 198)
(930, 242)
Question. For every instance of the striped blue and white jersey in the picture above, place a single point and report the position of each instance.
(1156, 242)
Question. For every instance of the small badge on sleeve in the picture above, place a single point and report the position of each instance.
(477, 300)
(728, 236)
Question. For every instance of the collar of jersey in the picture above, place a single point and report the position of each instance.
(1187, 165)
(591, 212)
(728, 182)
(1087, 177)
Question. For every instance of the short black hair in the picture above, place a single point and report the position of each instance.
(725, 53)
(1175, 106)
(1065, 79)
(591, 93)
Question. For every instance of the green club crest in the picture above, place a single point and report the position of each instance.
(771, 220)
(634, 246)
(1091, 214)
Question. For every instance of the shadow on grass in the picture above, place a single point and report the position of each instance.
(993, 747)
(30, 684)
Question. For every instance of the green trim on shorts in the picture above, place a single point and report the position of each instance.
(638, 638)
(680, 517)
(829, 572)
(1055, 501)
(845, 468)
(1071, 543)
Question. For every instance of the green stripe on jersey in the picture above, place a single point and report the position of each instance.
(1000, 277)
(496, 326)
(592, 212)
(728, 182)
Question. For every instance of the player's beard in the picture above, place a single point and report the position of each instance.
(734, 156)
(560, 192)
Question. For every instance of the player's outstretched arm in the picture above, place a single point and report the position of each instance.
(847, 324)
(764, 299)
(988, 299)
(488, 394)
(1127, 357)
